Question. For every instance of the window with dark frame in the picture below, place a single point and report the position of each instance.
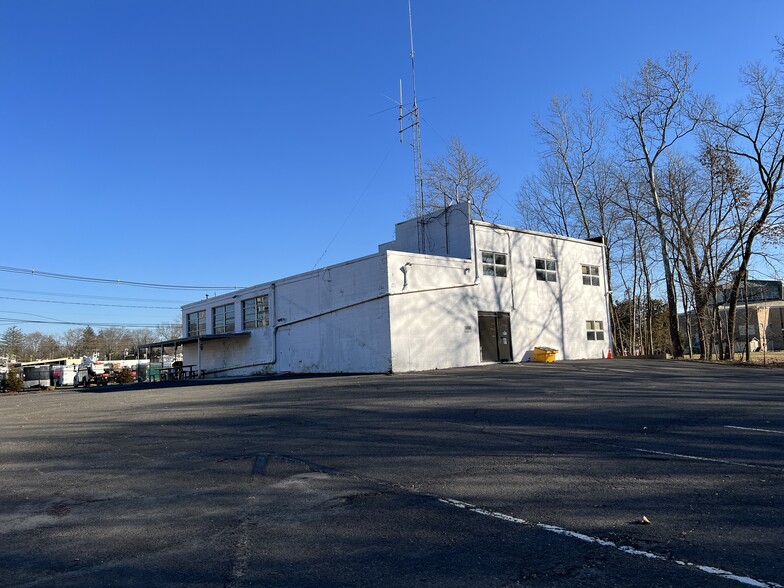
(223, 319)
(255, 312)
(196, 323)
(546, 270)
(494, 264)
(595, 330)
(590, 275)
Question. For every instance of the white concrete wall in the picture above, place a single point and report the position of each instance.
(545, 314)
(234, 355)
(435, 303)
(443, 233)
(335, 319)
(331, 320)
(353, 340)
(432, 306)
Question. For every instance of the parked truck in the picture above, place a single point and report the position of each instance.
(88, 374)
(100, 373)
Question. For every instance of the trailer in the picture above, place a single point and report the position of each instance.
(62, 370)
(36, 376)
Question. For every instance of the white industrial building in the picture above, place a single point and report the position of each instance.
(449, 291)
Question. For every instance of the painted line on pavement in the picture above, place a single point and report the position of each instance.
(612, 544)
(712, 460)
(239, 569)
(753, 429)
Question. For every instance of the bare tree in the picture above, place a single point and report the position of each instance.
(111, 342)
(657, 109)
(459, 176)
(49, 348)
(573, 138)
(754, 133)
(705, 202)
(69, 342)
(545, 202)
(32, 346)
(575, 189)
(636, 253)
(168, 330)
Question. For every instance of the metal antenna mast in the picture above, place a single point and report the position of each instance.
(416, 143)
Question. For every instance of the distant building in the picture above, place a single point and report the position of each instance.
(449, 291)
(759, 291)
(765, 320)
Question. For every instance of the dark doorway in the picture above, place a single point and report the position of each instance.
(495, 336)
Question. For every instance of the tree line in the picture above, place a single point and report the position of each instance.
(109, 343)
(682, 189)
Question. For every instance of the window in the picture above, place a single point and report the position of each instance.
(223, 319)
(546, 270)
(196, 323)
(595, 330)
(255, 312)
(591, 275)
(494, 264)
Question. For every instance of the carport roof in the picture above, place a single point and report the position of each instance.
(183, 340)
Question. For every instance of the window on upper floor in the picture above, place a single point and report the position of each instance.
(595, 330)
(494, 264)
(196, 323)
(590, 275)
(223, 319)
(255, 312)
(547, 270)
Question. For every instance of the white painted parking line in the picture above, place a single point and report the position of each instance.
(712, 460)
(753, 429)
(612, 544)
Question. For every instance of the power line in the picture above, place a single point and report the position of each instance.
(17, 270)
(13, 321)
(93, 297)
(89, 303)
(353, 208)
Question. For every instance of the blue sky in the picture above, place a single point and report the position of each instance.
(233, 142)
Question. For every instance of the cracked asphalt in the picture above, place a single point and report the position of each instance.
(500, 475)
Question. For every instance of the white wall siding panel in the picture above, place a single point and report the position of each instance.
(440, 233)
(353, 340)
(432, 306)
(331, 320)
(544, 313)
(435, 316)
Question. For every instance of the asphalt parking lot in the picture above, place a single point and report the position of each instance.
(501, 475)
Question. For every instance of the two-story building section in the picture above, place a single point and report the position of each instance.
(449, 291)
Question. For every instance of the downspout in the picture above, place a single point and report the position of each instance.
(446, 227)
(198, 353)
(607, 294)
(473, 253)
(275, 327)
(275, 323)
(509, 268)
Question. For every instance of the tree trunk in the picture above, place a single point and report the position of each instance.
(669, 280)
(746, 305)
